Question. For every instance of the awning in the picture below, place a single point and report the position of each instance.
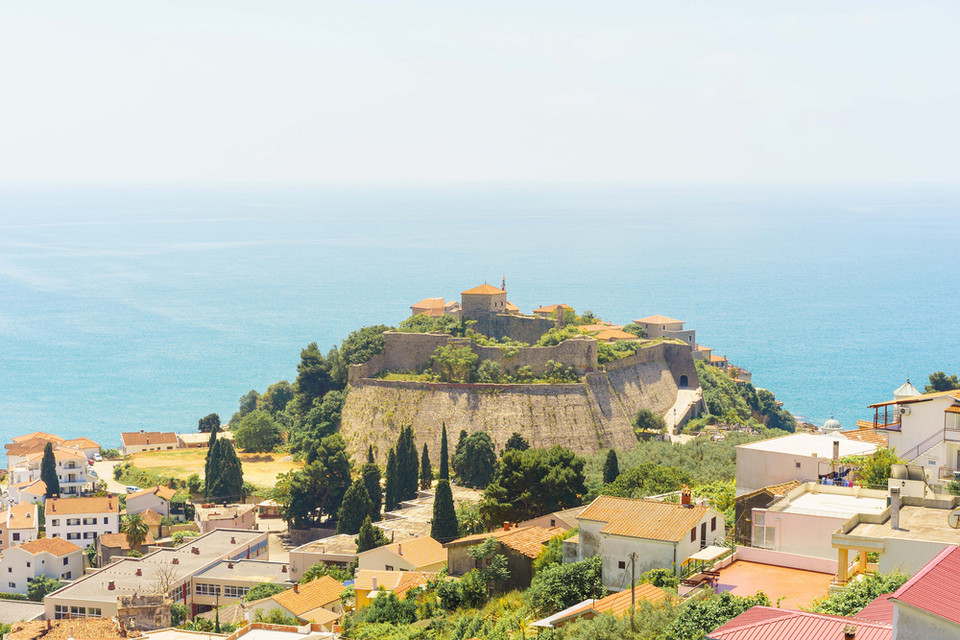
(709, 553)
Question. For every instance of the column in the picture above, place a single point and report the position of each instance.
(842, 565)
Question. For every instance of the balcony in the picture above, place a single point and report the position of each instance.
(949, 473)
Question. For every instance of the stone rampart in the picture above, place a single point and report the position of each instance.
(579, 353)
(517, 327)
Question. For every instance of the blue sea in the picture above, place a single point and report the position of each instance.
(147, 308)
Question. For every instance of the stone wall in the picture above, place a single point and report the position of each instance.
(579, 353)
(144, 612)
(517, 327)
(585, 417)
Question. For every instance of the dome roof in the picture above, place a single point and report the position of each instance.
(906, 390)
(831, 425)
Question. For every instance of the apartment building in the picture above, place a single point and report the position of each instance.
(154, 498)
(73, 470)
(18, 525)
(227, 582)
(47, 557)
(81, 520)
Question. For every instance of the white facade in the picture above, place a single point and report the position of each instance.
(910, 623)
(82, 520)
(18, 524)
(929, 436)
(19, 565)
(155, 499)
(73, 471)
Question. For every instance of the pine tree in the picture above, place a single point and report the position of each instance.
(370, 473)
(390, 497)
(408, 465)
(444, 455)
(370, 537)
(611, 467)
(426, 471)
(370, 459)
(354, 509)
(444, 527)
(48, 471)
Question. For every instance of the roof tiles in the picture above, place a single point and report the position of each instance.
(648, 519)
(54, 546)
(309, 596)
(935, 588)
(767, 623)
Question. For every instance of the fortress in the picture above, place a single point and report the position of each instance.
(586, 416)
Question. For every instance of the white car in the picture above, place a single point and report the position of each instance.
(97, 457)
(132, 489)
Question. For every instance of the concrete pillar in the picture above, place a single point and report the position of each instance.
(842, 565)
(863, 562)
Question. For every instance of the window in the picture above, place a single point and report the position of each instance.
(621, 565)
(73, 522)
(693, 534)
(65, 561)
(89, 535)
(16, 536)
(73, 536)
(54, 523)
(798, 465)
(553, 522)
(231, 591)
(89, 521)
(9, 569)
(203, 589)
(28, 565)
(713, 523)
(66, 576)
(388, 568)
(12, 585)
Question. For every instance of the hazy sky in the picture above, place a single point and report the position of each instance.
(324, 91)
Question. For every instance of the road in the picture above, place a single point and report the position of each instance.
(105, 472)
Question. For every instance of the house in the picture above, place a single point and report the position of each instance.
(34, 491)
(18, 524)
(634, 536)
(317, 601)
(154, 522)
(226, 582)
(79, 628)
(368, 583)
(435, 307)
(617, 605)
(923, 429)
(154, 498)
(761, 623)
(550, 311)
(664, 327)
(422, 554)
(168, 570)
(520, 546)
(339, 551)
(928, 605)
(720, 362)
(566, 519)
(759, 499)
(22, 446)
(269, 509)
(73, 470)
(81, 520)
(701, 352)
(86, 446)
(612, 335)
(209, 517)
(115, 545)
(47, 557)
(138, 441)
(806, 457)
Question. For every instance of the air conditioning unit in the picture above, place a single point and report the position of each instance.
(904, 411)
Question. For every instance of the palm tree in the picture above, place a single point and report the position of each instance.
(136, 531)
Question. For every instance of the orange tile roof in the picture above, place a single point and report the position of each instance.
(71, 506)
(429, 303)
(58, 455)
(784, 488)
(34, 487)
(151, 517)
(389, 580)
(21, 516)
(648, 519)
(409, 583)
(420, 552)
(512, 307)
(433, 313)
(483, 290)
(83, 443)
(309, 596)
(26, 447)
(160, 491)
(551, 308)
(599, 326)
(85, 628)
(952, 409)
(525, 540)
(136, 438)
(873, 436)
(718, 358)
(657, 320)
(614, 334)
(41, 435)
(119, 540)
(53, 546)
(700, 347)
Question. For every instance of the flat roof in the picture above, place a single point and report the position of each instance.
(809, 444)
(829, 504)
(412, 520)
(338, 545)
(916, 523)
(248, 570)
(182, 634)
(797, 587)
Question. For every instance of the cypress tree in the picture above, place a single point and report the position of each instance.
(444, 455)
(444, 526)
(371, 478)
(370, 459)
(611, 467)
(426, 471)
(211, 469)
(355, 508)
(370, 537)
(407, 465)
(231, 472)
(390, 497)
(48, 471)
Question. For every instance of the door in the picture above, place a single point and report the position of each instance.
(703, 534)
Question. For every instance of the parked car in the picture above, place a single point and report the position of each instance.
(97, 457)
(132, 489)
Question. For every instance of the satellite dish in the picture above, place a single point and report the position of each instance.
(953, 518)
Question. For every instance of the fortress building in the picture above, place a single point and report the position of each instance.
(497, 318)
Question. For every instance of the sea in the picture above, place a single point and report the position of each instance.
(148, 307)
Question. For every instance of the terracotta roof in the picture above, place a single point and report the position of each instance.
(657, 320)
(83, 443)
(512, 307)
(874, 436)
(952, 409)
(119, 540)
(309, 596)
(433, 313)
(54, 546)
(483, 290)
(429, 303)
(80, 628)
(525, 540)
(767, 623)
(718, 358)
(648, 519)
(955, 393)
(148, 437)
(880, 610)
(71, 506)
(151, 517)
(700, 347)
(552, 308)
(21, 516)
(784, 488)
(35, 487)
(38, 435)
(614, 334)
(58, 455)
(935, 588)
(160, 491)
(618, 604)
(389, 580)
(419, 552)
(409, 583)
(321, 616)
(25, 448)
(598, 326)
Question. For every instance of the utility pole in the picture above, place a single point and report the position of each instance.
(633, 589)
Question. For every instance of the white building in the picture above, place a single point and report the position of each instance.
(155, 498)
(138, 441)
(927, 607)
(339, 551)
(47, 557)
(664, 327)
(34, 492)
(800, 456)
(660, 534)
(81, 520)
(18, 525)
(88, 447)
(419, 554)
(22, 446)
(73, 470)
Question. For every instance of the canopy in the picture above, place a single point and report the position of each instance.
(709, 553)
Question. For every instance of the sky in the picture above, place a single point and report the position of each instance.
(356, 92)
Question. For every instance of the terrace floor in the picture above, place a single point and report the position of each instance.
(797, 587)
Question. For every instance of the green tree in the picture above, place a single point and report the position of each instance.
(386, 607)
(455, 363)
(408, 465)
(276, 398)
(194, 484)
(273, 616)
(469, 519)
(516, 442)
(207, 423)
(559, 586)
(392, 488)
(611, 467)
(370, 537)
(370, 473)
(426, 471)
(263, 590)
(444, 455)
(135, 530)
(939, 381)
(318, 489)
(699, 617)
(321, 420)
(444, 526)
(531, 483)
(647, 421)
(664, 578)
(357, 348)
(320, 569)
(248, 403)
(857, 595)
(370, 457)
(258, 432)
(873, 470)
(313, 377)
(475, 460)
(48, 471)
(39, 587)
(490, 563)
(636, 330)
(354, 509)
(224, 482)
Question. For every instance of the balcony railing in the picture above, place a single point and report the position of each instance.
(949, 473)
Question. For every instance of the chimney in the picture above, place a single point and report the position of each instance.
(685, 497)
(229, 565)
(296, 588)
(836, 450)
(373, 583)
(139, 571)
(233, 540)
(111, 585)
(849, 632)
(195, 551)
(175, 561)
(283, 569)
(894, 507)
(400, 549)
(506, 526)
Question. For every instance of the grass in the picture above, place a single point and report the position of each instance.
(258, 468)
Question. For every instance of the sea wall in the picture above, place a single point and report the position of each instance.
(585, 417)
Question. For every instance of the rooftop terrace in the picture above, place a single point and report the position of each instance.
(247, 570)
(916, 523)
(797, 587)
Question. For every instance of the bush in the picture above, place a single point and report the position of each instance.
(647, 421)
(559, 586)
(859, 594)
(13, 596)
(263, 590)
(109, 453)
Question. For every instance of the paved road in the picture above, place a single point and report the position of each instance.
(105, 472)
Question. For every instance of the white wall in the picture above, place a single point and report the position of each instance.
(803, 534)
(82, 534)
(912, 624)
(925, 419)
(14, 572)
(382, 559)
(148, 501)
(757, 469)
(908, 556)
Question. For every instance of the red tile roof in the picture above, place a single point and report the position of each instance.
(429, 303)
(935, 588)
(648, 519)
(54, 546)
(657, 320)
(552, 308)
(767, 623)
(148, 437)
(78, 506)
(483, 290)
(166, 493)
